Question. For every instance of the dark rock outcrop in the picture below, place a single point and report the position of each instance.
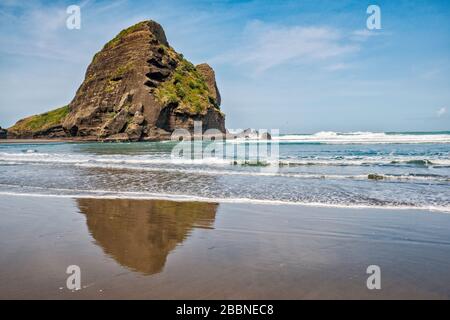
(249, 134)
(139, 88)
(374, 176)
(264, 136)
(210, 77)
(3, 133)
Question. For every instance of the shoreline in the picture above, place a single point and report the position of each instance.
(322, 137)
(238, 201)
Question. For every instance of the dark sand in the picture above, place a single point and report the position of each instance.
(180, 250)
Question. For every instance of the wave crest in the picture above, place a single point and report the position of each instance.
(362, 137)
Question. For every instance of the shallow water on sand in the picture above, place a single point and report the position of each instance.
(326, 169)
(165, 249)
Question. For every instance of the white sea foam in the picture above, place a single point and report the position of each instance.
(368, 160)
(422, 170)
(387, 177)
(106, 159)
(104, 194)
(146, 160)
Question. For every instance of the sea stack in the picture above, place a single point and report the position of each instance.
(136, 88)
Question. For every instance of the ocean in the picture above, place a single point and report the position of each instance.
(357, 169)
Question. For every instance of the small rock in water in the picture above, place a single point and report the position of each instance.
(374, 176)
(265, 136)
(3, 133)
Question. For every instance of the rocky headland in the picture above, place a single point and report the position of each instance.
(137, 88)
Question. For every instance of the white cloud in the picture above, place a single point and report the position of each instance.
(265, 46)
(338, 66)
(441, 112)
(364, 34)
(36, 29)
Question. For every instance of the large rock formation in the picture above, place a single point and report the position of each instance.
(138, 88)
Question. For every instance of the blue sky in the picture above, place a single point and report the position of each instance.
(299, 66)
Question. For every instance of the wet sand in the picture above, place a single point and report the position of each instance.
(153, 249)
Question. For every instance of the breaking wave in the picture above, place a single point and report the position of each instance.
(330, 137)
(106, 194)
(149, 160)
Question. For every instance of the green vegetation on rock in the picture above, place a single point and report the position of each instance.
(116, 40)
(122, 70)
(42, 121)
(186, 87)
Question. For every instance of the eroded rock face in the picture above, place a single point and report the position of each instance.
(138, 88)
(51, 132)
(210, 77)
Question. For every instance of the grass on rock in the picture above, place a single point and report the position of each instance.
(42, 121)
(186, 87)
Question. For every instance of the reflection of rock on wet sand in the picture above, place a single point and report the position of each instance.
(139, 234)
